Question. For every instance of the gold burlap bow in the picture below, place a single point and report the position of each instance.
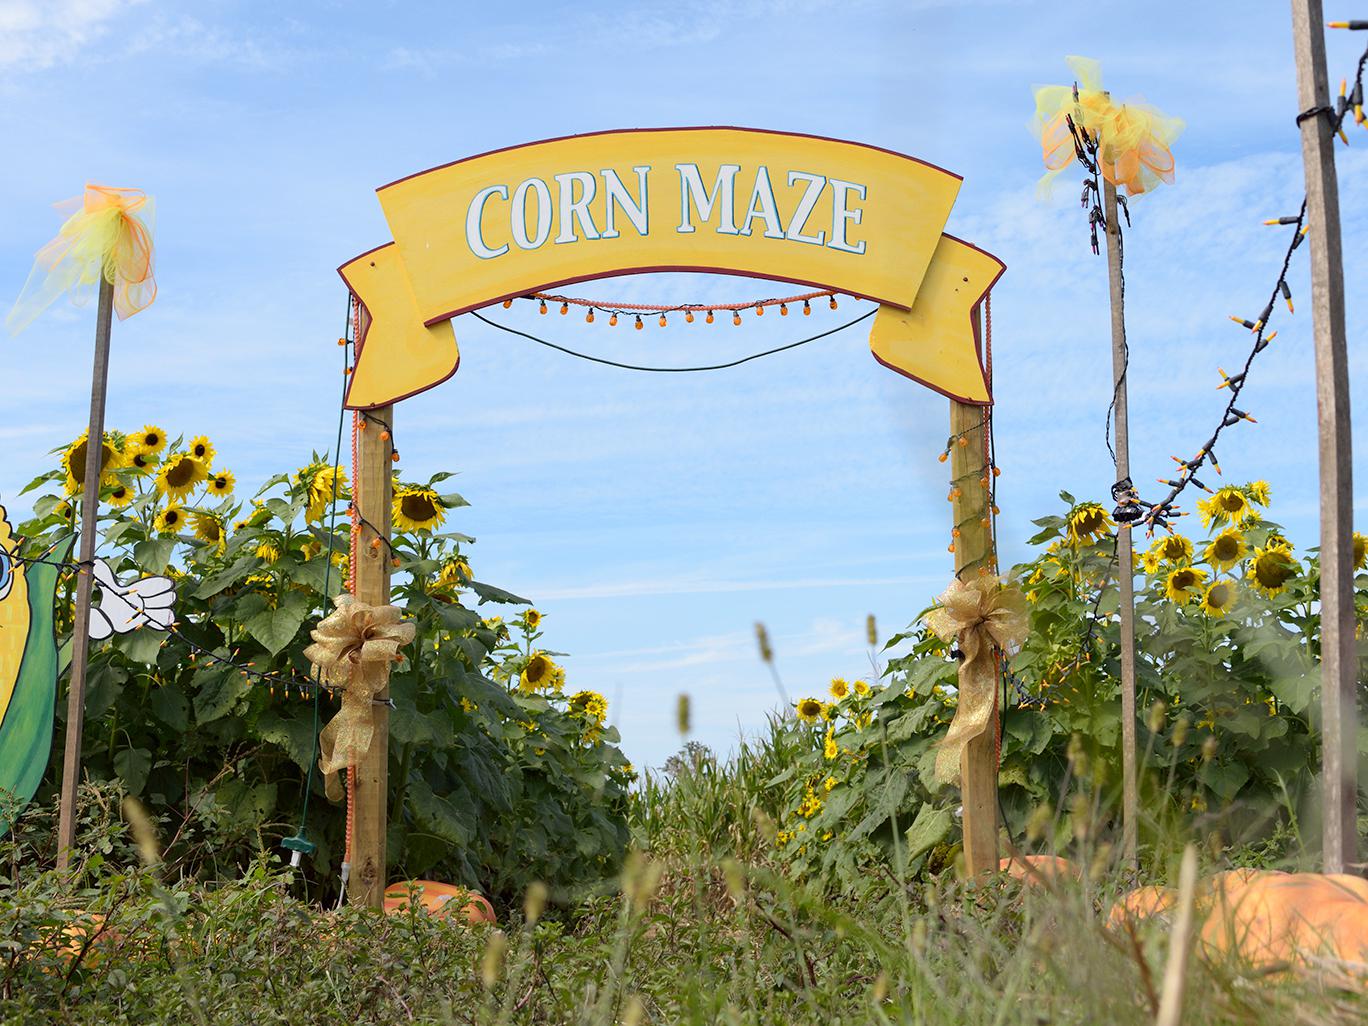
(354, 647)
(977, 613)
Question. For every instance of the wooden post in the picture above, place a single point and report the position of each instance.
(374, 488)
(80, 629)
(1339, 664)
(974, 551)
(1125, 574)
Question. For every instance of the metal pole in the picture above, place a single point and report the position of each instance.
(1339, 663)
(1125, 573)
(80, 630)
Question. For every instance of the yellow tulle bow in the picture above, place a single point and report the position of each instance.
(1134, 138)
(978, 614)
(109, 234)
(354, 647)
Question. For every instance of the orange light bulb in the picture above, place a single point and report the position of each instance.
(783, 309)
(710, 317)
(662, 320)
(736, 317)
(565, 309)
(612, 321)
(589, 317)
(638, 322)
(688, 316)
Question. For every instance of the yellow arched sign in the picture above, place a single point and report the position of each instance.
(836, 215)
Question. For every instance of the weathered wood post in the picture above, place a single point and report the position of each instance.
(1125, 571)
(1339, 662)
(373, 492)
(80, 629)
(975, 551)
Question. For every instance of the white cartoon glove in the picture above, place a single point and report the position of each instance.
(147, 602)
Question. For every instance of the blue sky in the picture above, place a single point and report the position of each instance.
(655, 518)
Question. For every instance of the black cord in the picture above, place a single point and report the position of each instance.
(670, 370)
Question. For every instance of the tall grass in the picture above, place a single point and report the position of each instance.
(704, 929)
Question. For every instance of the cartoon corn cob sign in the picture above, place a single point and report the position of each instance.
(28, 672)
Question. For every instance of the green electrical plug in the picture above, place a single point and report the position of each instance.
(298, 846)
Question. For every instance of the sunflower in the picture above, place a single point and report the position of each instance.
(1183, 583)
(74, 462)
(536, 674)
(589, 704)
(1219, 598)
(829, 749)
(170, 520)
(557, 680)
(417, 508)
(1173, 548)
(455, 573)
(209, 528)
(810, 710)
(533, 619)
(120, 496)
(325, 483)
(1258, 491)
(221, 483)
(202, 449)
(267, 551)
(1226, 549)
(861, 688)
(142, 460)
(1360, 551)
(179, 475)
(150, 439)
(1086, 522)
(839, 688)
(1272, 567)
(1229, 505)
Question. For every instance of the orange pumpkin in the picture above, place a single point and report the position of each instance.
(1266, 918)
(440, 899)
(1141, 904)
(1036, 869)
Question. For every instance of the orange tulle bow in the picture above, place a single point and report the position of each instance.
(108, 234)
(1133, 137)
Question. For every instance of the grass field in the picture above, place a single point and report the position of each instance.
(701, 928)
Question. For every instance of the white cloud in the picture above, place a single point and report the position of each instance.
(38, 34)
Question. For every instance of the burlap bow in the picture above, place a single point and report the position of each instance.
(977, 613)
(353, 650)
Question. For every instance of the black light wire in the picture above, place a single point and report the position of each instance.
(672, 370)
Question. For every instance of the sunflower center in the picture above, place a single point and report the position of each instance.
(1232, 502)
(1173, 549)
(181, 473)
(78, 459)
(1184, 579)
(1272, 570)
(151, 439)
(418, 507)
(1089, 521)
(1220, 595)
(1226, 547)
(536, 669)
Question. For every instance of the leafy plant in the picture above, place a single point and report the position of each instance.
(1228, 678)
(492, 783)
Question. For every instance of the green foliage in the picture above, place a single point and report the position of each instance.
(685, 938)
(1227, 697)
(490, 785)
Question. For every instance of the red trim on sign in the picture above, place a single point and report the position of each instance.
(686, 128)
